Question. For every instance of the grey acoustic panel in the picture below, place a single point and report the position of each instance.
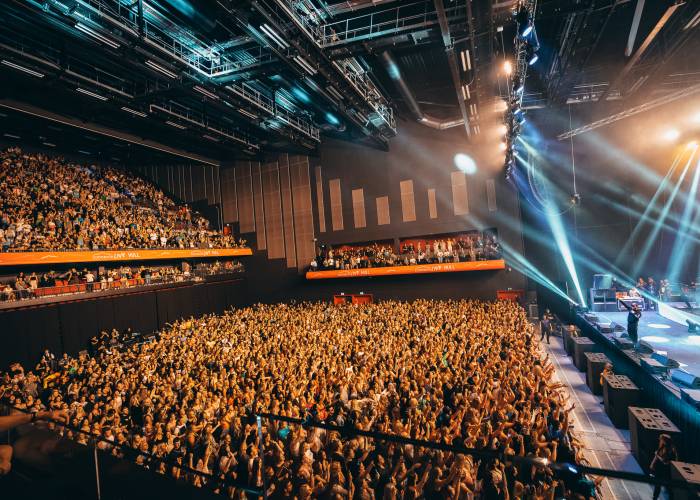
(303, 213)
(432, 204)
(491, 195)
(336, 205)
(358, 208)
(228, 195)
(408, 202)
(244, 192)
(287, 210)
(383, 217)
(460, 199)
(259, 206)
(274, 229)
(319, 200)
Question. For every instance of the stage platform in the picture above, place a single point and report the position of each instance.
(664, 335)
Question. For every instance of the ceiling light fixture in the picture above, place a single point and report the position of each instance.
(176, 125)
(97, 36)
(134, 112)
(272, 34)
(205, 92)
(160, 69)
(12, 65)
(91, 94)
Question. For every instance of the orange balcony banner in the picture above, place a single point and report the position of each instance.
(447, 267)
(40, 258)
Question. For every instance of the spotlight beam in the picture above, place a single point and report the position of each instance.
(682, 240)
(659, 223)
(649, 208)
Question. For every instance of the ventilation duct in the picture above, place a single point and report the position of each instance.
(429, 121)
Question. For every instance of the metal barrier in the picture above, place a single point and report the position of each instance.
(150, 459)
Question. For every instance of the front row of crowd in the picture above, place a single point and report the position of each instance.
(464, 373)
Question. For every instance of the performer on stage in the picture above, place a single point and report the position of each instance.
(632, 320)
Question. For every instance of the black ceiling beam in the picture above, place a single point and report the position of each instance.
(452, 59)
(638, 53)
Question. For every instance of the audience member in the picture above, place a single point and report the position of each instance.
(50, 204)
(455, 372)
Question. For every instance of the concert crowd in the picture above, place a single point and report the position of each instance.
(47, 203)
(461, 248)
(31, 285)
(466, 373)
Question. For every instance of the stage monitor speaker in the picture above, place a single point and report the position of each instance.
(692, 396)
(651, 365)
(685, 378)
(605, 326)
(602, 281)
(662, 357)
(645, 347)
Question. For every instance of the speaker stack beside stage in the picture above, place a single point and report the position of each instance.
(595, 363)
(646, 425)
(602, 297)
(619, 393)
(689, 474)
(569, 333)
(583, 345)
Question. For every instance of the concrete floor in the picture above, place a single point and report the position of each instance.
(604, 446)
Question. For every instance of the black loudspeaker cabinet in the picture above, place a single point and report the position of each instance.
(619, 393)
(688, 473)
(646, 425)
(596, 362)
(602, 281)
(569, 334)
(583, 345)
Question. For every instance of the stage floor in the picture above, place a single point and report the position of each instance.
(665, 335)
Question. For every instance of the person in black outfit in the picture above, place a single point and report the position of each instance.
(661, 464)
(633, 317)
(546, 325)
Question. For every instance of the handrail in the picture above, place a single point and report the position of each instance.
(102, 286)
(152, 458)
(351, 431)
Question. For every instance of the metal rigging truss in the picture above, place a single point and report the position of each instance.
(654, 103)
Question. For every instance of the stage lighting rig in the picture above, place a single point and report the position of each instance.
(526, 45)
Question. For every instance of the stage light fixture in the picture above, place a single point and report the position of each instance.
(508, 67)
(670, 135)
(465, 163)
(524, 21)
(532, 56)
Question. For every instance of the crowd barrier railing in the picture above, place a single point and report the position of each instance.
(121, 451)
(566, 472)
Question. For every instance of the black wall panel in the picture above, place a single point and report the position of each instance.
(69, 326)
(79, 324)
